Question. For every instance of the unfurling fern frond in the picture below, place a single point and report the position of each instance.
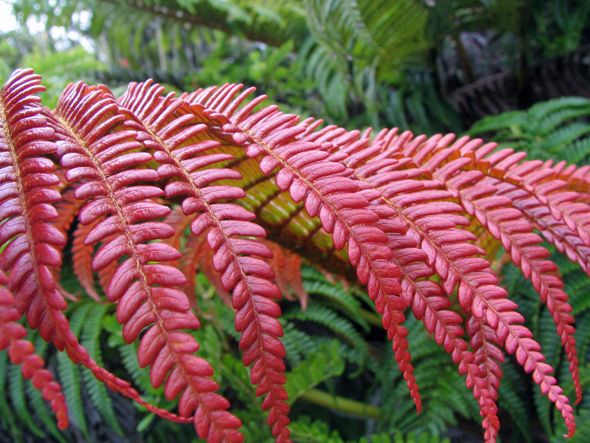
(211, 174)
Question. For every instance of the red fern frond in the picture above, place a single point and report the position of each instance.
(327, 191)
(287, 268)
(22, 352)
(67, 210)
(229, 230)
(507, 224)
(409, 215)
(181, 224)
(504, 169)
(430, 305)
(32, 255)
(101, 150)
(419, 201)
(488, 358)
(479, 293)
(82, 260)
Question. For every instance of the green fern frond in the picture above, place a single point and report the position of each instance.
(315, 284)
(557, 128)
(408, 438)
(306, 431)
(7, 418)
(91, 331)
(329, 319)
(511, 400)
(323, 363)
(16, 389)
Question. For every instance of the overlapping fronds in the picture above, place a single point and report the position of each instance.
(159, 187)
(99, 150)
(326, 190)
(185, 152)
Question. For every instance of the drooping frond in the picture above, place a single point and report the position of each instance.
(32, 256)
(22, 352)
(99, 148)
(185, 152)
(506, 223)
(32, 242)
(326, 190)
(408, 190)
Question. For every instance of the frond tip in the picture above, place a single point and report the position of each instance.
(22, 352)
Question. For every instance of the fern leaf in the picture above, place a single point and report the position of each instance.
(25, 142)
(69, 374)
(144, 287)
(98, 394)
(21, 352)
(19, 402)
(532, 189)
(238, 259)
(82, 261)
(319, 366)
(402, 186)
(323, 186)
(7, 421)
(511, 227)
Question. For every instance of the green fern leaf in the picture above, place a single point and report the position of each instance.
(98, 393)
(319, 366)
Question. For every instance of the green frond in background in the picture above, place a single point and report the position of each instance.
(63, 67)
(557, 128)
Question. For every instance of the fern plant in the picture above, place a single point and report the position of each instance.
(555, 128)
(395, 212)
